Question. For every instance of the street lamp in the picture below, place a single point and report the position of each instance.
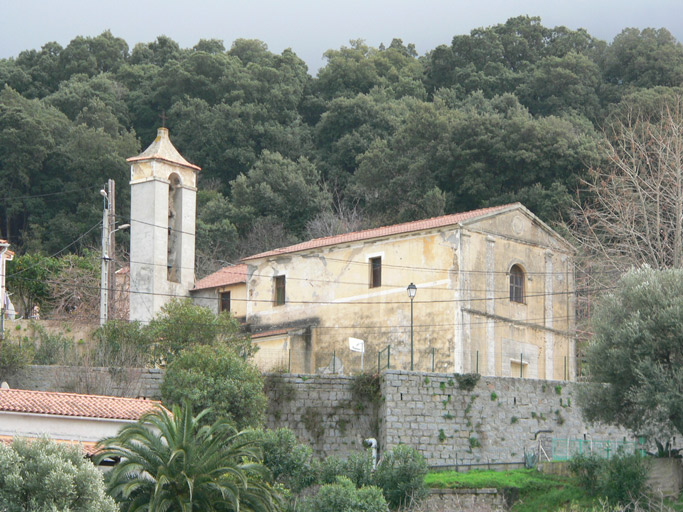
(412, 289)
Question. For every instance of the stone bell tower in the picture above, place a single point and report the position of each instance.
(163, 190)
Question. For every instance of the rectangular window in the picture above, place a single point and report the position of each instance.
(225, 301)
(375, 272)
(279, 290)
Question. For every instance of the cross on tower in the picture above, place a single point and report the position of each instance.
(163, 118)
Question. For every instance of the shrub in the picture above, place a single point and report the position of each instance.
(288, 460)
(467, 381)
(217, 378)
(342, 496)
(618, 479)
(51, 348)
(401, 475)
(624, 478)
(330, 468)
(14, 356)
(359, 468)
(41, 475)
(586, 469)
(122, 344)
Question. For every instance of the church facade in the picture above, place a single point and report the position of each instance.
(493, 289)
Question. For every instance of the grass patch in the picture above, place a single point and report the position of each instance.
(535, 491)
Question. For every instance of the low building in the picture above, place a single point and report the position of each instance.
(67, 417)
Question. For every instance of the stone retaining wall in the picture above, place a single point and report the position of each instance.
(497, 421)
(494, 422)
(322, 411)
(128, 382)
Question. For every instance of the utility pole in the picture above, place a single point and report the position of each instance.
(111, 252)
(104, 274)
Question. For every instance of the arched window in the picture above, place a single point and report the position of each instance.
(517, 284)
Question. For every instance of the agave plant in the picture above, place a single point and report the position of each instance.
(170, 462)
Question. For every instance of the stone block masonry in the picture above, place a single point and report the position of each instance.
(125, 382)
(322, 410)
(496, 421)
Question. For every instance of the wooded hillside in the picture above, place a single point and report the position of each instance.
(380, 135)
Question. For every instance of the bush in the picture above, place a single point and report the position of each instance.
(217, 378)
(181, 325)
(51, 348)
(14, 356)
(122, 344)
(342, 496)
(401, 475)
(42, 475)
(618, 479)
(288, 460)
(329, 469)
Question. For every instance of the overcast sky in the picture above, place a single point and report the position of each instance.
(310, 27)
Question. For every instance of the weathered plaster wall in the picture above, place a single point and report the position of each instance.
(330, 289)
(463, 316)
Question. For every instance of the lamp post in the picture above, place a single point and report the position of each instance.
(412, 289)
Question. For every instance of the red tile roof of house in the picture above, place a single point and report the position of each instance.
(72, 404)
(234, 274)
(396, 229)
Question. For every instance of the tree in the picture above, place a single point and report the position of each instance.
(42, 475)
(181, 324)
(216, 377)
(172, 462)
(630, 212)
(635, 360)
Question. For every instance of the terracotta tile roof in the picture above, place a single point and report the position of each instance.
(234, 274)
(72, 404)
(163, 149)
(265, 334)
(396, 229)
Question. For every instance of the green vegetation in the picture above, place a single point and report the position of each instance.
(633, 358)
(535, 491)
(43, 475)
(344, 496)
(216, 377)
(173, 462)
(447, 130)
(401, 475)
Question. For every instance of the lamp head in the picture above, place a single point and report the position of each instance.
(103, 192)
(412, 289)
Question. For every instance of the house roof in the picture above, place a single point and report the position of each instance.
(72, 404)
(234, 274)
(163, 149)
(396, 229)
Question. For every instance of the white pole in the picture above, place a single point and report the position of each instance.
(104, 276)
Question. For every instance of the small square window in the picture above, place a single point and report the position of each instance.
(375, 272)
(225, 301)
(279, 290)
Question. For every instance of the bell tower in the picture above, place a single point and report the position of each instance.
(163, 194)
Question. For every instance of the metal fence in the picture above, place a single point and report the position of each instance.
(565, 449)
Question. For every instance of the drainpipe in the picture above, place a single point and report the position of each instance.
(372, 443)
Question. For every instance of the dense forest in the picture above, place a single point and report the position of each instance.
(513, 112)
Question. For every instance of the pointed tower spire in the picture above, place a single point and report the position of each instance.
(162, 209)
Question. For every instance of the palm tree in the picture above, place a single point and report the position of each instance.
(169, 462)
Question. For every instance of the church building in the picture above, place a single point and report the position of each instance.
(489, 291)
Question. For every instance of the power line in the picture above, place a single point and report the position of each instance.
(49, 194)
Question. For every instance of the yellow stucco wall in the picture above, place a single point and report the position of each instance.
(462, 310)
